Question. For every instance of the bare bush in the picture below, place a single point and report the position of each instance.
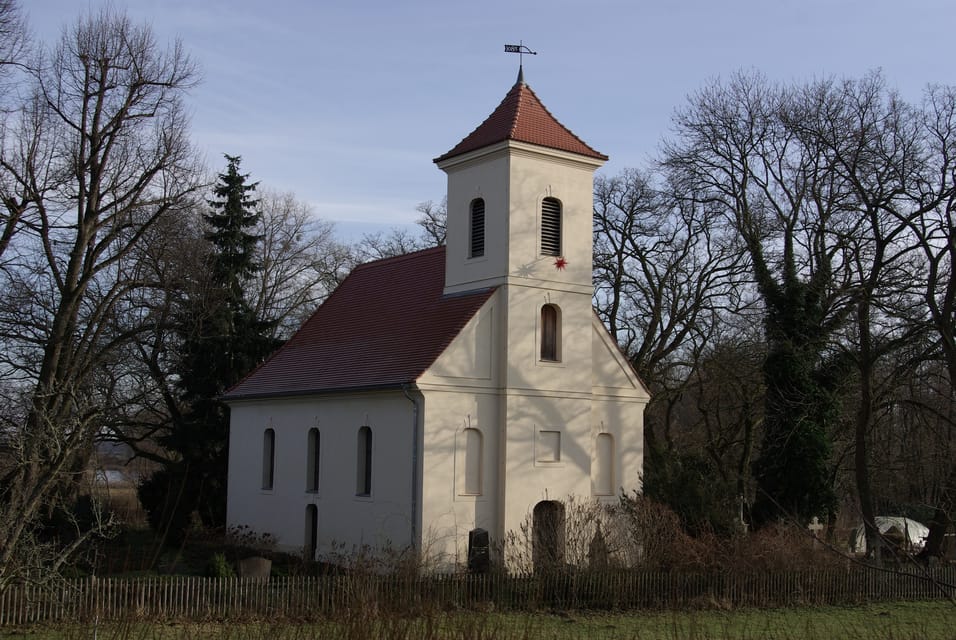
(641, 534)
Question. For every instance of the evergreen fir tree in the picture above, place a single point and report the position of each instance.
(222, 340)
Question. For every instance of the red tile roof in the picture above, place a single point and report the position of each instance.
(382, 327)
(522, 117)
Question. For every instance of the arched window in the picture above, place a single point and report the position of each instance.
(602, 474)
(312, 465)
(471, 463)
(363, 475)
(268, 458)
(477, 229)
(550, 333)
(311, 532)
(551, 227)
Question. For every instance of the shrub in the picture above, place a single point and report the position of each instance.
(167, 505)
(692, 487)
(219, 567)
(656, 538)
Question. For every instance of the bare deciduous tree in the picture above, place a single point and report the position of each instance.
(400, 240)
(99, 156)
(889, 166)
(935, 233)
(831, 188)
(301, 262)
(14, 37)
(433, 221)
(736, 152)
(664, 273)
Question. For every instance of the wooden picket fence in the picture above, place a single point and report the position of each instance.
(303, 598)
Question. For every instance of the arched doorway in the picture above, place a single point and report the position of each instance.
(548, 535)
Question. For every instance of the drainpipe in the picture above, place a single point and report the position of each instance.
(415, 448)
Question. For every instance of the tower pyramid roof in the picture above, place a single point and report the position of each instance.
(523, 118)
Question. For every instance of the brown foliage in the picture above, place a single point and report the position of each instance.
(650, 536)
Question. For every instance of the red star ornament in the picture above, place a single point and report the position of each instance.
(560, 263)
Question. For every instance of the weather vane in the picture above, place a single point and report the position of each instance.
(520, 49)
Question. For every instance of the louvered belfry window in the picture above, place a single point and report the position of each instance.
(477, 248)
(550, 227)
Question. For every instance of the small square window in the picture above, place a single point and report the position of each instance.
(549, 446)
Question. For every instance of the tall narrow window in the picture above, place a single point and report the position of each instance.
(312, 468)
(550, 227)
(471, 471)
(477, 239)
(363, 475)
(268, 458)
(311, 532)
(550, 333)
(602, 475)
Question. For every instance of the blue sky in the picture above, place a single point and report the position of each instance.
(346, 103)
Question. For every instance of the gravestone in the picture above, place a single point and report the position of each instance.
(816, 527)
(478, 551)
(255, 568)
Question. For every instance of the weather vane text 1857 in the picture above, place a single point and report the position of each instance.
(520, 49)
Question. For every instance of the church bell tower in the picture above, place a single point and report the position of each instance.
(520, 208)
(520, 200)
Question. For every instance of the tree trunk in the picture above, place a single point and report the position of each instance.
(939, 525)
(864, 417)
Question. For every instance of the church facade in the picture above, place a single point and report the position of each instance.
(467, 388)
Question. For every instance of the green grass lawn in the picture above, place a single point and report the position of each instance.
(899, 621)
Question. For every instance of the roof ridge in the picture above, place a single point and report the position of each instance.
(561, 124)
(399, 258)
(513, 129)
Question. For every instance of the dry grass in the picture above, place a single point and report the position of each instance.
(121, 499)
(898, 621)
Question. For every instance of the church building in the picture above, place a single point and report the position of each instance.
(453, 393)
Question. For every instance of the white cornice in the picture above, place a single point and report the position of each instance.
(519, 281)
(513, 147)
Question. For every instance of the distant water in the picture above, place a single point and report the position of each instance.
(113, 476)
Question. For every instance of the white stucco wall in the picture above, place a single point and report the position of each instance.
(448, 511)
(490, 378)
(524, 405)
(461, 390)
(384, 517)
(618, 400)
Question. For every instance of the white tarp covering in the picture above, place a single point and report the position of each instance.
(908, 535)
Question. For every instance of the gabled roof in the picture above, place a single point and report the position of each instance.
(382, 327)
(521, 117)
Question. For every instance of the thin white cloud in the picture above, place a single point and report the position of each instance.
(347, 103)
